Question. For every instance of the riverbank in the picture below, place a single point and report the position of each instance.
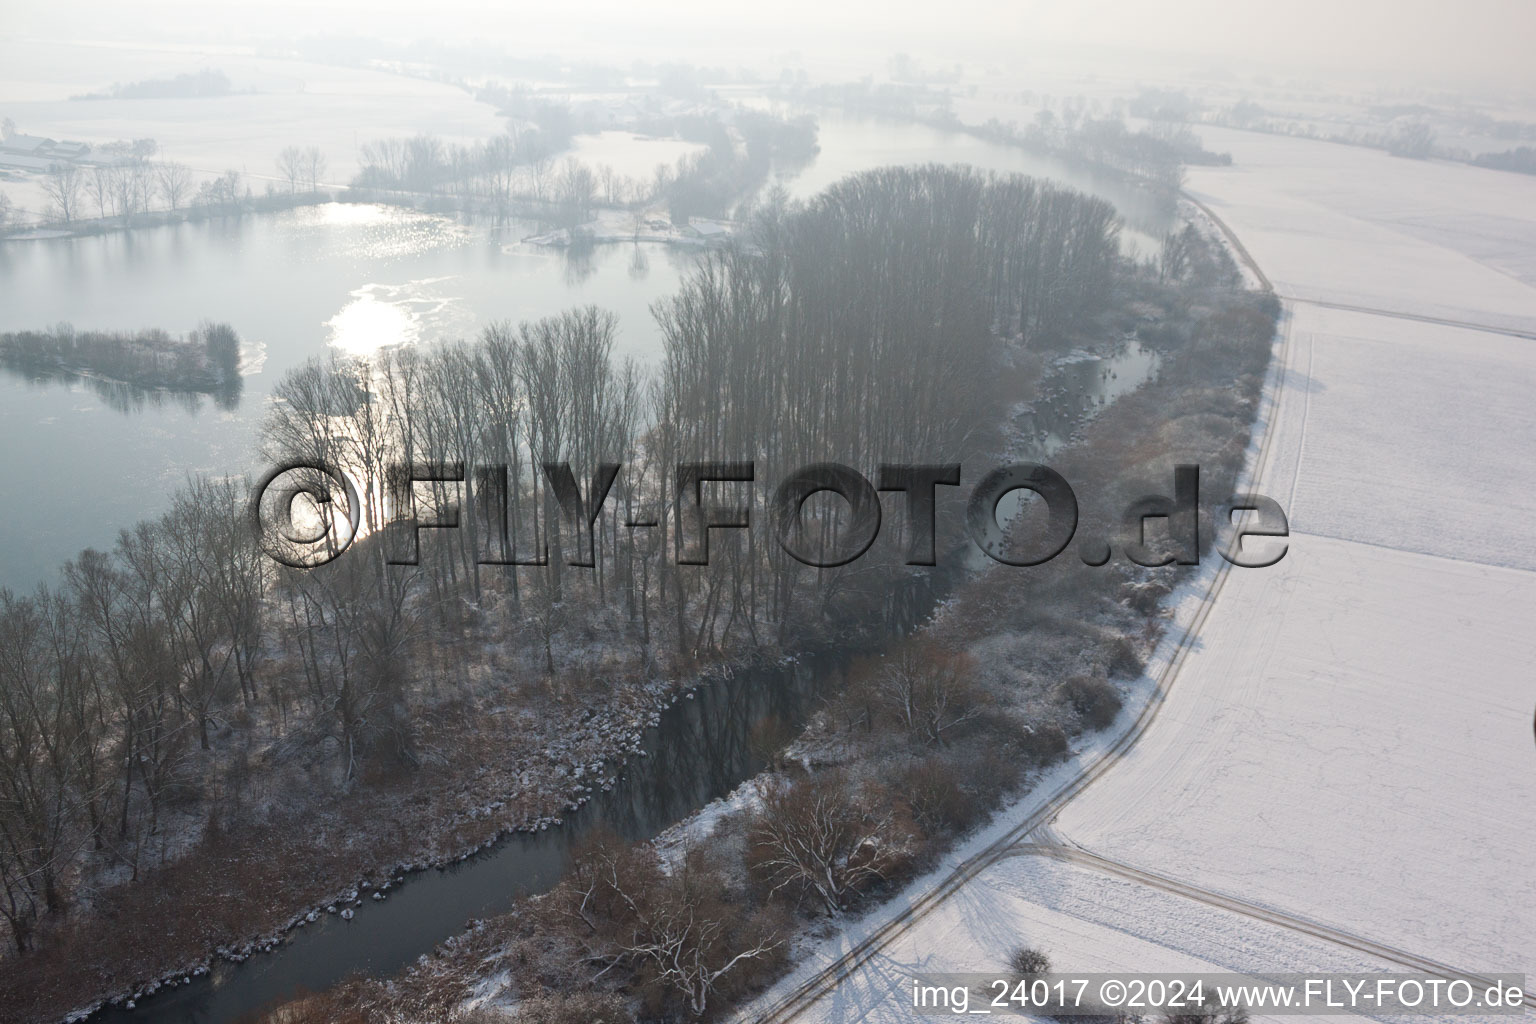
(644, 223)
(504, 751)
(234, 896)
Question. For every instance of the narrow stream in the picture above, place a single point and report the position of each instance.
(700, 751)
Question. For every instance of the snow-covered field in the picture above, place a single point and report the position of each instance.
(1357, 226)
(1089, 922)
(1349, 741)
(1409, 436)
(277, 103)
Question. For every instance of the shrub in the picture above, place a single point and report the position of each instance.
(825, 837)
(1123, 659)
(1093, 698)
(1029, 961)
(940, 804)
(1145, 597)
(1047, 744)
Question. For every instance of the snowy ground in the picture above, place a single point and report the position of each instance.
(1349, 741)
(1357, 226)
(1088, 922)
(276, 103)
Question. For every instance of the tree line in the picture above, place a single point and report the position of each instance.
(207, 358)
(521, 164)
(127, 188)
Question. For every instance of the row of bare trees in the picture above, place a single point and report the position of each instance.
(131, 187)
(862, 330)
(522, 164)
(301, 167)
(517, 166)
(110, 686)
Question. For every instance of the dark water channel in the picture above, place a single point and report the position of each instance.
(699, 751)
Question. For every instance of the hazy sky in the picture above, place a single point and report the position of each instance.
(1491, 39)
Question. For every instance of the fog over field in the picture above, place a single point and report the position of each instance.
(673, 512)
(1417, 39)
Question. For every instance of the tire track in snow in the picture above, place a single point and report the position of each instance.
(1314, 929)
(1513, 332)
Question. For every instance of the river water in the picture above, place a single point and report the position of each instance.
(79, 465)
(81, 462)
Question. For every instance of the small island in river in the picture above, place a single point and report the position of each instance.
(206, 360)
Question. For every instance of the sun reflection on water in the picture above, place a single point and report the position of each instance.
(330, 232)
(382, 315)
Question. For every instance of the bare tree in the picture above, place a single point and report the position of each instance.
(819, 835)
(314, 164)
(34, 773)
(678, 929)
(352, 626)
(384, 163)
(609, 179)
(1029, 962)
(175, 184)
(131, 183)
(99, 188)
(225, 190)
(424, 163)
(62, 187)
(142, 179)
(927, 693)
(576, 187)
(290, 164)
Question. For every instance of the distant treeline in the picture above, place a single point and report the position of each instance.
(206, 359)
(1157, 154)
(192, 85)
(1522, 160)
(743, 145)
